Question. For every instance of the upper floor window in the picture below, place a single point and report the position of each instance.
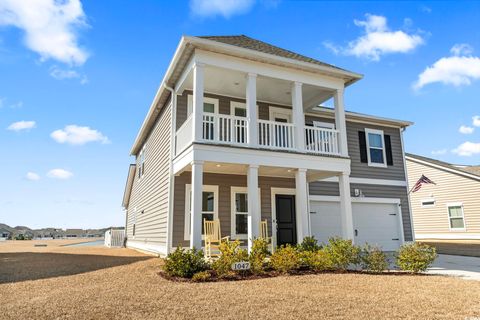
(375, 148)
(429, 202)
(455, 216)
(210, 105)
(141, 163)
(238, 109)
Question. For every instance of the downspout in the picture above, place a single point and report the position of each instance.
(171, 188)
(406, 180)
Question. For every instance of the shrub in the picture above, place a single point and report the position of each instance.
(285, 259)
(230, 253)
(342, 252)
(257, 256)
(201, 276)
(184, 263)
(373, 259)
(415, 257)
(308, 244)
(319, 260)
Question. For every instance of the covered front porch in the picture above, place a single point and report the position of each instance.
(242, 195)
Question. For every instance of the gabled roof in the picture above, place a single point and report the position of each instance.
(468, 171)
(260, 46)
(128, 186)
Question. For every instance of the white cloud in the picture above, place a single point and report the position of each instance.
(22, 125)
(76, 135)
(16, 105)
(466, 129)
(59, 174)
(439, 152)
(62, 74)
(378, 40)
(225, 8)
(50, 27)
(467, 149)
(457, 70)
(476, 121)
(32, 176)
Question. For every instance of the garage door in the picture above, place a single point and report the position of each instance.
(374, 223)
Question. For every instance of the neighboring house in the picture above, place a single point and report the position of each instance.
(4, 233)
(235, 133)
(450, 208)
(75, 233)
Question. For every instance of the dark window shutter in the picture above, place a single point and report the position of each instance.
(388, 150)
(362, 142)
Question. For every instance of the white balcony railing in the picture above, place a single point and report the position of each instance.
(277, 135)
(184, 135)
(232, 130)
(221, 128)
(321, 140)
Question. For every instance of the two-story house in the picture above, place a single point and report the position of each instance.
(235, 133)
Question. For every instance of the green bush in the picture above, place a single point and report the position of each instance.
(202, 276)
(308, 244)
(373, 259)
(231, 252)
(415, 257)
(285, 259)
(184, 263)
(342, 252)
(257, 256)
(319, 260)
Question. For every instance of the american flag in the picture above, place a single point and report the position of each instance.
(420, 182)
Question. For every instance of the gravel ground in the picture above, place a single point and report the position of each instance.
(101, 283)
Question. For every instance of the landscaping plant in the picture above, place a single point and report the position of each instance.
(319, 260)
(342, 252)
(184, 263)
(285, 259)
(257, 256)
(202, 276)
(373, 259)
(415, 257)
(309, 244)
(231, 252)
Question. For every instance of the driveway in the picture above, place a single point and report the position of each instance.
(467, 268)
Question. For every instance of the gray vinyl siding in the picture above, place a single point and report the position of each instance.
(372, 191)
(150, 192)
(224, 183)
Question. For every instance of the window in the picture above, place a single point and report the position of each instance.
(210, 105)
(375, 148)
(429, 202)
(209, 206)
(141, 163)
(134, 221)
(238, 109)
(455, 215)
(239, 208)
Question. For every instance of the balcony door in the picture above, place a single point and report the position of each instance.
(282, 136)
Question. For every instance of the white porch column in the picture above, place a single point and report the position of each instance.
(252, 116)
(301, 204)
(346, 206)
(340, 123)
(197, 105)
(253, 205)
(196, 214)
(298, 116)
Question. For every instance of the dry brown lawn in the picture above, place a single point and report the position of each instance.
(100, 283)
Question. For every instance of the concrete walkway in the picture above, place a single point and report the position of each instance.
(467, 268)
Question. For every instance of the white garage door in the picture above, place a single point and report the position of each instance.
(374, 223)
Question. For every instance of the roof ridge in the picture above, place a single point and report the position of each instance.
(444, 164)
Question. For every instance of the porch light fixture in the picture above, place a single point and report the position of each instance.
(236, 83)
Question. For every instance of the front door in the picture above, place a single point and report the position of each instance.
(285, 214)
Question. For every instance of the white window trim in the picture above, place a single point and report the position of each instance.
(188, 192)
(233, 191)
(456, 204)
(431, 199)
(242, 105)
(380, 132)
(283, 111)
(322, 124)
(141, 163)
(205, 100)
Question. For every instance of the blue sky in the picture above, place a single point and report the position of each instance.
(77, 79)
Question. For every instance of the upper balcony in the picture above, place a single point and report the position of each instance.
(267, 109)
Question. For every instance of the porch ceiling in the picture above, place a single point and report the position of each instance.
(233, 83)
(265, 171)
